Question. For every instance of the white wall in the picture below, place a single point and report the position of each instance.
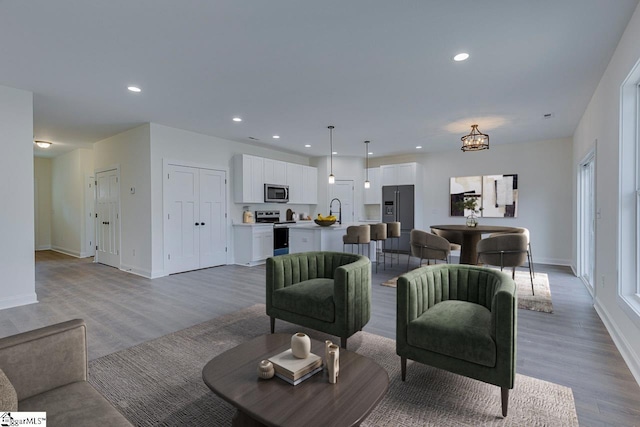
(544, 184)
(601, 121)
(131, 151)
(192, 148)
(42, 177)
(68, 222)
(344, 168)
(17, 264)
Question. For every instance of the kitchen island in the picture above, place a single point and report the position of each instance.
(307, 237)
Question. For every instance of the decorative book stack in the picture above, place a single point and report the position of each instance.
(294, 370)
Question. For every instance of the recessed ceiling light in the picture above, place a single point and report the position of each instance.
(461, 57)
(276, 136)
(237, 119)
(43, 144)
(135, 89)
(334, 153)
(370, 152)
(307, 145)
(418, 146)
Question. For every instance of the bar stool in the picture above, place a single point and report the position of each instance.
(393, 232)
(357, 235)
(379, 234)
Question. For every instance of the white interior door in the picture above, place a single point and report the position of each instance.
(90, 217)
(108, 220)
(343, 190)
(195, 220)
(213, 236)
(182, 239)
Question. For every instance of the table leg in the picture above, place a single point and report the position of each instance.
(468, 251)
(240, 419)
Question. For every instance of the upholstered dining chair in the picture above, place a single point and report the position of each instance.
(525, 231)
(359, 235)
(379, 235)
(505, 250)
(428, 246)
(460, 318)
(393, 234)
(454, 238)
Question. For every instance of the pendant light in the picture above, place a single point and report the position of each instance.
(367, 184)
(332, 178)
(475, 141)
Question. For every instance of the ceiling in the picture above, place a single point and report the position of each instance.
(377, 70)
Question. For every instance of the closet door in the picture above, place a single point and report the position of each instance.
(182, 235)
(213, 235)
(108, 218)
(195, 218)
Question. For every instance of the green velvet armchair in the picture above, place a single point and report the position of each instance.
(325, 291)
(459, 318)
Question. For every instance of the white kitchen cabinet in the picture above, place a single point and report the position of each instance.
(248, 179)
(309, 185)
(373, 194)
(275, 172)
(253, 243)
(400, 174)
(295, 183)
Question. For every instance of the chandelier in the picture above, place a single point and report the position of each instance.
(475, 141)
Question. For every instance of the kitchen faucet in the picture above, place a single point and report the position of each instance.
(339, 209)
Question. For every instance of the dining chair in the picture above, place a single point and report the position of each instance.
(525, 231)
(428, 246)
(454, 238)
(505, 250)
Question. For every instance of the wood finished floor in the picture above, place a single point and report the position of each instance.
(569, 347)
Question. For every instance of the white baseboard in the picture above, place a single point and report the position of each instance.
(552, 261)
(86, 254)
(630, 357)
(18, 300)
(43, 248)
(66, 251)
(135, 270)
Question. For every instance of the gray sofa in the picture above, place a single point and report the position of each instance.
(46, 370)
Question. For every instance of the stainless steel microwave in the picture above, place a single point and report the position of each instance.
(274, 193)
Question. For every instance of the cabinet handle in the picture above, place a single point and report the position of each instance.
(202, 223)
(197, 224)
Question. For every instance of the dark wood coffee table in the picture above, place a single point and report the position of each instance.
(232, 375)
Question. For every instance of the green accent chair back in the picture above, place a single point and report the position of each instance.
(459, 318)
(326, 291)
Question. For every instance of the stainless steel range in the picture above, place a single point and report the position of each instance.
(280, 230)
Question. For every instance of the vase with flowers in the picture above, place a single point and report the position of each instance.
(470, 203)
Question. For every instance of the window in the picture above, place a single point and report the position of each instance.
(629, 191)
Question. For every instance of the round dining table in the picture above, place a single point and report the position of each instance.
(471, 236)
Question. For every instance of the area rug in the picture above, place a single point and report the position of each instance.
(541, 301)
(159, 382)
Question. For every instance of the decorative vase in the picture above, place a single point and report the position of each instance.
(300, 345)
(472, 220)
(266, 370)
(333, 366)
(331, 347)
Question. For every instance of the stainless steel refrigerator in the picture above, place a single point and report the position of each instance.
(398, 205)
